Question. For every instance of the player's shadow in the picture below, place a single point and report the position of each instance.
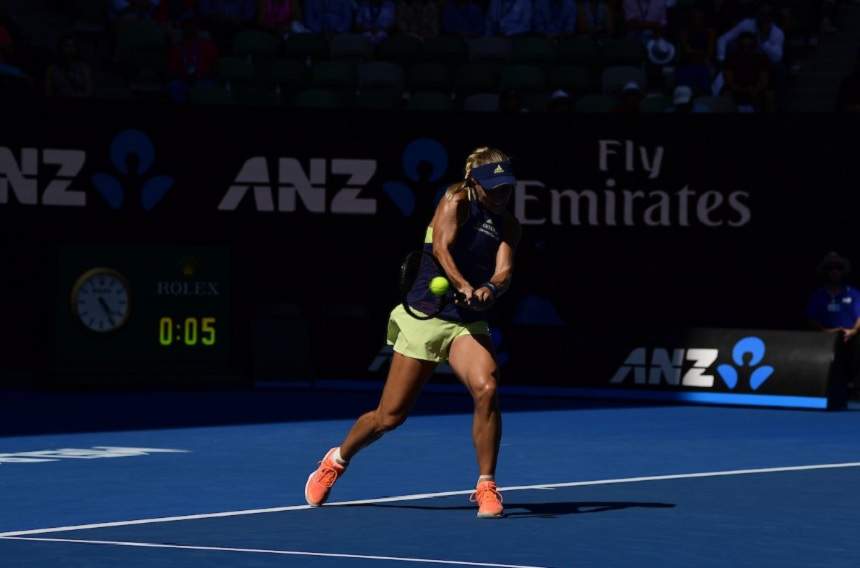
(545, 510)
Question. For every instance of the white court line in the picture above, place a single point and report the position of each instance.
(419, 496)
(268, 551)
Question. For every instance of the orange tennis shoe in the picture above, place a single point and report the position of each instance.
(322, 480)
(489, 500)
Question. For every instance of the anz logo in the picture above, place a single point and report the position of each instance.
(667, 366)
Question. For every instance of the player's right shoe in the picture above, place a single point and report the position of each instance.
(489, 500)
(322, 480)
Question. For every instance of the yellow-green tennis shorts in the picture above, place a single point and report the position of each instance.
(429, 340)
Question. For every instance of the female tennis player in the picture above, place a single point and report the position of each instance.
(473, 237)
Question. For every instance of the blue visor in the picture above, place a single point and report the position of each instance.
(494, 175)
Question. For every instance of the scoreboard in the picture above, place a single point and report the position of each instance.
(156, 308)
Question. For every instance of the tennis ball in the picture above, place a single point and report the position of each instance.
(439, 286)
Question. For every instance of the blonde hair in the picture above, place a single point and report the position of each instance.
(479, 157)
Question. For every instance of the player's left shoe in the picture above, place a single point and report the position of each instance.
(489, 500)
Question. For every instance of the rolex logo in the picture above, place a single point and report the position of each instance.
(499, 170)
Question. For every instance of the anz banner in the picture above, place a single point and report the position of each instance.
(630, 228)
(729, 366)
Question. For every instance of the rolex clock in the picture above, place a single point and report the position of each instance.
(101, 300)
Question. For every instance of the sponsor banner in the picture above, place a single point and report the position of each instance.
(729, 366)
(629, 229)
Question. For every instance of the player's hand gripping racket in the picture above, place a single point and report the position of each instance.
(409, 271)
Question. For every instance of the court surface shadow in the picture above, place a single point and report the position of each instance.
(545, 510)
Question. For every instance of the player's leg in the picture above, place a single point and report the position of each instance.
(473, 360)
(405, 379)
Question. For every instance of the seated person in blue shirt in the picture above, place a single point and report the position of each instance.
(463, 18)
(554, 18)
(375, 19)
(509, 17)
(329, 16)
(835, 308)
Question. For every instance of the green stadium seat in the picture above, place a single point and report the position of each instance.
(575, 79)
(255, 44)
(400, 48)
(142, 44)
(430, 101)
(614, 78)
(259, 97)
(579, 51)
(380, 74)
(430, 77)
(718, 104)
(623, 52)
(210, 95)
(655, 104)
(444, 49)
(306, 47)
(334, 74)
(379, 99)
(235, 71)
(490, 49)
(533, 50)
(352, 47)
(524, 78)
(481, 102)
(536, 102)
(477, 77)
(286, 73)
(319, 99)
(596, 103)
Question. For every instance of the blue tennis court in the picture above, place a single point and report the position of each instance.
(586, 485)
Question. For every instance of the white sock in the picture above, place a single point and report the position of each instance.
(486, 478)
(337, 458)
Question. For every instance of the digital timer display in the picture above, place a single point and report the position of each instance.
(160, 307)
(189, 331)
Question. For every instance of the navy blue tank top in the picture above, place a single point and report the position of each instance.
(474, 252)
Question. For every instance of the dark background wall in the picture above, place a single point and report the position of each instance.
(726, 234)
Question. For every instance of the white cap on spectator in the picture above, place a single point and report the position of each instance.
(682, 95)
(631, 87)
(560, 94)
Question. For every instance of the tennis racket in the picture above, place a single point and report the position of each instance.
(431, 306)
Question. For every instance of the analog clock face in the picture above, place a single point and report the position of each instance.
(100, 300)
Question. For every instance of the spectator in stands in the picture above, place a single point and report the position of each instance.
(7, 68)
(280, 16)
(174, 11)
(133, 9)
(770, 39)
(835, 308)
(747, 73)
(509, 17)
(683, 103)
(70, 76)
(697, 42)
(14, 82)
(645, 18)
(559, 101)
(191, 61)
(463, 18)
(554, 18)
(594, 18)
(375, 19)
(631, 98)
(224, 18)
(418, 18)
(329, 16)
(849, 91)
